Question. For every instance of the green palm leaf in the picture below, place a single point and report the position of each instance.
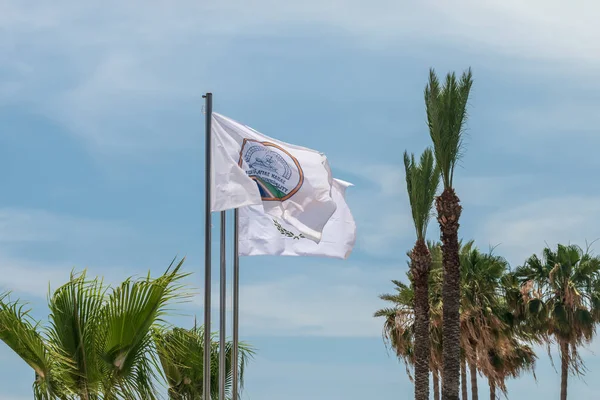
(74, 318)
(422, 181)
(132, 310)
(21, 333)
(181, 356)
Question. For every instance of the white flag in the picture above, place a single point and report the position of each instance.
(288, 182)
(261, 234)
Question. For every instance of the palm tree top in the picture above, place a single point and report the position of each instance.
(422, 181)
(446, 107)
(563, 285)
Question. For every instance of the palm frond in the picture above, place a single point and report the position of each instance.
(75, 310)
(131, 312)
(181, 356)
(22, 334)
(422, 181)
(446, 107)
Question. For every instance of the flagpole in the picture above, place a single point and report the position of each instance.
(207, 250)
(236, 307)
(222, 310)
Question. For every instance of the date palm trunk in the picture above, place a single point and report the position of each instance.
(564, 366)
(449, 210)
(492, 390)
(474, 390)
(420, 266)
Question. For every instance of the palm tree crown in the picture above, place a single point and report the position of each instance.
(422, 181)
(446, 115)
(181, 356)
(99, 340)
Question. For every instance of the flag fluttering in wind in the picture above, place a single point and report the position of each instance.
(262, 234)
(288, 182)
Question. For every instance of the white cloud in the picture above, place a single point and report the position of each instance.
(558, 116)
(382, 213)
(30, 280)
(23, 232)
(491, 191)
(32, 225)
(120, 64)
(268, 379)
(325, 301)
(524, 230)
(273, 370)
(550, 29)
(121, 87)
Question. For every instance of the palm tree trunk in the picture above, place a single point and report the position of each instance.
(474, 390)
(463, 378)
(564, 366)
(420, 264)
(449, 210)
(492, 390)
(436, 385)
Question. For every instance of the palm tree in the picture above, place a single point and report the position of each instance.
(98, 343)
(422, 181)
(436, 278)
(562, 289)
(181, 357)
(399, 324)
(509, 359)
(398, 327)
(446, 115)
(481, 319)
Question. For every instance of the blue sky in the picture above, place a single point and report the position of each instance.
(101, 153)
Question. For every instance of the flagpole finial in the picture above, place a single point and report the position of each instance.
(204, 96)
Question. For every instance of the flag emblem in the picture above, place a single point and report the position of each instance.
(276, 172)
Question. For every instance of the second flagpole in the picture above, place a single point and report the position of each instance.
(222, 309)
(236, 308)
(207, 251)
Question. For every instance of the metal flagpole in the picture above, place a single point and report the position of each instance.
(236, 307)
(207, 251)
(222, 311)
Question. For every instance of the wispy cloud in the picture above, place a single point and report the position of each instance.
(560, 117)
(34, 225)
(381, 209)
(268, 379)
(492, 191)
(26, 234)
(116, 68)
(323, 301)
(30, 280)
(526, 229)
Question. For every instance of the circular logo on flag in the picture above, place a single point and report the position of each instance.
(276, 172)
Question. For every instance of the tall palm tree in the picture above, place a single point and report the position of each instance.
(422, 180)
(181, 357)
(446, 107)
(399, 324)
(98, 343)
(436, 278)
(562, 289)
